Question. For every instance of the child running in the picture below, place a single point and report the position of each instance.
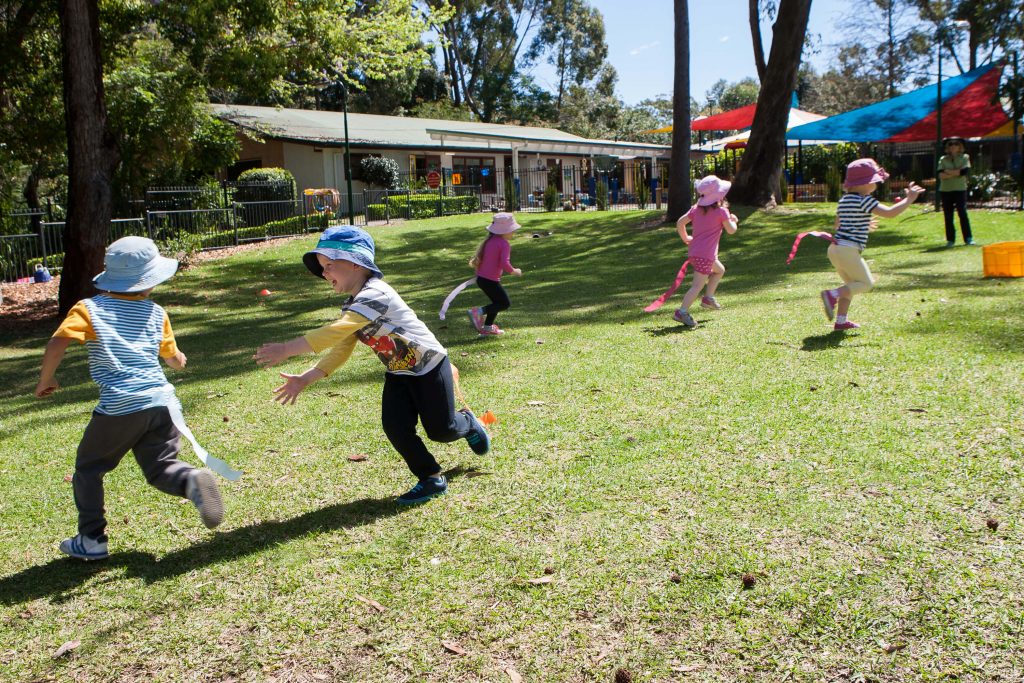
(491, 260)
(126, 334)
(710, 217)
(418, 383)
(853, 223)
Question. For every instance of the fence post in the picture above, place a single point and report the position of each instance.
(149, 225)
(234, 220)
(387, 206)
(305, 215)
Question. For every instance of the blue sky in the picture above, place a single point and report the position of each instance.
(640, 35)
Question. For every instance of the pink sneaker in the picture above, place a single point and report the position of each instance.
(848, 325)
(490, 331)
(710, 303)
(828, 299)
(477, 318)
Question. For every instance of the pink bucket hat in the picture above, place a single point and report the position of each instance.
(711, 189)
(862, 172)
(503, 223)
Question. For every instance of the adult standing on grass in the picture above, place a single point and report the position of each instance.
(954, 167)
(853, 223)
(418, 384)
(127, 334)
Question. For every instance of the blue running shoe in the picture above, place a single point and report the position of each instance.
(477, 438)
(424, 490)
(85, 548)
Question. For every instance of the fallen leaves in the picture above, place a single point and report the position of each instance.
(358, 457)
(889, 648)
(454, 647)
(67, 477)
(372, 603)
(66, 648)
(513, 675)
(535, 403)
(540, 580)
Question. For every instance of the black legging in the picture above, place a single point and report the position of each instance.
(498, 296)
(956, 200)
(430, 399)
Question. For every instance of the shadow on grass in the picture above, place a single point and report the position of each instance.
(58, 577)
(820, 342)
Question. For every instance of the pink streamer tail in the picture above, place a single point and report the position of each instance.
(660, 301)
(813, 233)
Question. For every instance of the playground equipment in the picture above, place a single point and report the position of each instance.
(325, 200)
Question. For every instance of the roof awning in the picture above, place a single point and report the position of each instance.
(580, 146)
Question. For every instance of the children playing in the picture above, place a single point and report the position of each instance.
(853, 223)
(418, 383)
(491, 260)
(710, 217)
(126, 334)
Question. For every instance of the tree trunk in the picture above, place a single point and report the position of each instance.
(754, 18)
(758, 178)
(679, 169)
(92, 151)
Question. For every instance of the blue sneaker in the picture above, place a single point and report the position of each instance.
(424, 490)
(85, 548)
(478, 439)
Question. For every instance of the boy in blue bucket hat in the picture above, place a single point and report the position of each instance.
(418, 383)
(126, 335)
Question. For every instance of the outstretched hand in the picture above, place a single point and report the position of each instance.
(288, 393)
(913, 191)
(270, 354)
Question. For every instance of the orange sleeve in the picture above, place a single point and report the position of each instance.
(77, 325)
(168, 345)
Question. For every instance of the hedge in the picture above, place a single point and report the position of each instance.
(421, 206)
(225, 238)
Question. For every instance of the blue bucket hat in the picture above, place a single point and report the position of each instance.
(134, 264)
(343, 243)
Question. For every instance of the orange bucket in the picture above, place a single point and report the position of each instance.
(1003, 259)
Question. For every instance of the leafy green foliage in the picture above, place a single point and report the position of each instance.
(417, 206)
(551, 201)
(602, 194)
(265, 184)
(380, 171)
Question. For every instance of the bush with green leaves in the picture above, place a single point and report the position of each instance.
(265, 185)
(551, 198)
(981, 187)
(511, 199)
(833, 183)
(602, 194)
(416, 206)
(380, 171)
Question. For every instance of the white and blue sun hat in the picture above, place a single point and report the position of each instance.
(134, 264)
(343, 243)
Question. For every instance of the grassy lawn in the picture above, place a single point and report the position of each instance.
(639, 470)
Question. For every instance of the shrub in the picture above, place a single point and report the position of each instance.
(511, 200)
(981, 187)
(834, 183)
(416, 206)
(551, 198)
(265, 185)
(643, 188)
(602, 194)
(783, 188)
(380, 171)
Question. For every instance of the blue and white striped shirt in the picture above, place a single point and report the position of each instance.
(124, 359)
(854, 218)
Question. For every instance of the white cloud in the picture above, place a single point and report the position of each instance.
(724, 39)
(647, 46)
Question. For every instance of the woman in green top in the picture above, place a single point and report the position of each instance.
(954, 166)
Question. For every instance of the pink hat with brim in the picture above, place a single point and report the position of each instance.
(503, 223)
(712, 190)
(862, 172)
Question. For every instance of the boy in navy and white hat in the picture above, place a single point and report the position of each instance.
(126, 334)
(418, 382)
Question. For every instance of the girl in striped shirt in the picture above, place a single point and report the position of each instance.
(854, 220)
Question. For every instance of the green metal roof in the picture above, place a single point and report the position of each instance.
(373, 130)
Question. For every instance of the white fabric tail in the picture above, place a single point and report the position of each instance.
(455, 292)
(216, 464)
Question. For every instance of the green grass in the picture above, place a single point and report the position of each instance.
(642, 468)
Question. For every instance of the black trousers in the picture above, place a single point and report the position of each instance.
(956, 201)
(498, 296)
(154, 440)
(429, 398)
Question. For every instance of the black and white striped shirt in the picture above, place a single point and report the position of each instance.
(854, 219)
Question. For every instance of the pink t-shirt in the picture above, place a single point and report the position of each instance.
(495, 259)
(707, 230)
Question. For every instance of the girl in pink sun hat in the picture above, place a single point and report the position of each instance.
(491, 261)
(710, 217)
(853, 223)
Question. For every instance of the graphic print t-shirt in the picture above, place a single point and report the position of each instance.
(378, 317)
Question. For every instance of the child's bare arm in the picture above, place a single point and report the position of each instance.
(288, 393)
(177, 361)
(681, 228)
(52, 357)
(732, 224)
(913, 191)
(272, 354)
